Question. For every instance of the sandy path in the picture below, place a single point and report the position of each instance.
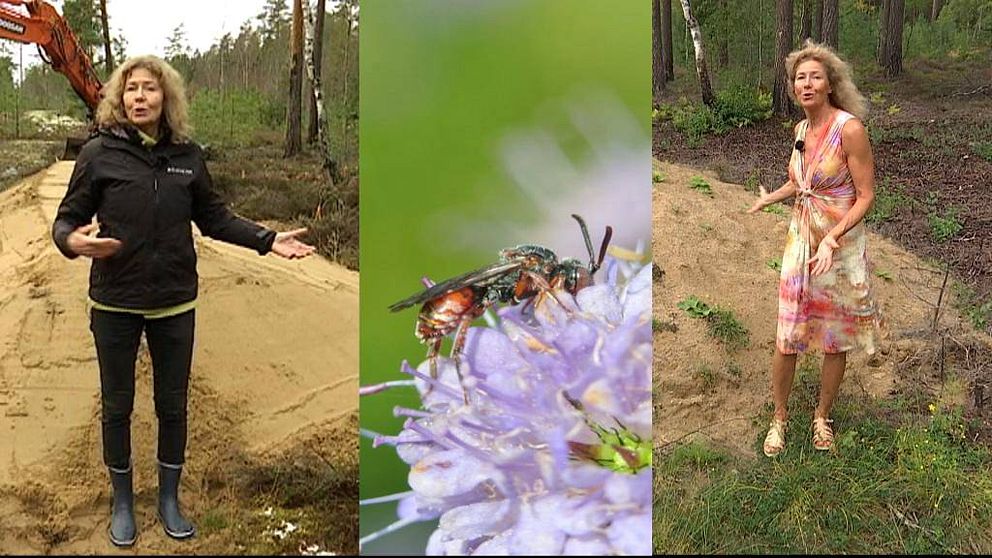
(276, 356)
(710, 247)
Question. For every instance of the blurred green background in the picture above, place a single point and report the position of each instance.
(484, 124)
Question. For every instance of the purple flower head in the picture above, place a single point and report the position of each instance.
(552, 453)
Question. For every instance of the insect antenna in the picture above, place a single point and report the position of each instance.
(594, 264)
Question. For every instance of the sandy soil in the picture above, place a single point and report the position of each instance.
(275, 366)
(710, 247)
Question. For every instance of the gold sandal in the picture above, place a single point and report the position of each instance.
(775, 439)
(823, 434)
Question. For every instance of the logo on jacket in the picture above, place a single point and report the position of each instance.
(179, 170)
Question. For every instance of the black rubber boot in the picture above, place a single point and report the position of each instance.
(123, 530)
(176, 526)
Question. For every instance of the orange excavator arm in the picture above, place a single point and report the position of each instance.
(44, 27)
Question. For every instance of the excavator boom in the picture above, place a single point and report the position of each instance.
(44, 27)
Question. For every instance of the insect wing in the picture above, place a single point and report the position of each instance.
(477, 277)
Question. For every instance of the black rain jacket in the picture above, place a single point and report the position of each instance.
(146, 198)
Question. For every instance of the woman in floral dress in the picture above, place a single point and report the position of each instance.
(825, 298)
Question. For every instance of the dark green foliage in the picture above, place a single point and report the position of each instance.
(734, 108)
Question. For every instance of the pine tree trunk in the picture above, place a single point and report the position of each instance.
(668, 55)
(831, 15)
(697, 42)
(295, 106)
(893, 62)
(882, 52)
(817, 21)
(658, 77)
(318, 56)
(723, 39)
(781, 103)
(806, 21)
(107, 52)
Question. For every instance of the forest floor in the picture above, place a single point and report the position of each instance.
(930, 130)
(288, 193)
(272, 465)
(910, 468)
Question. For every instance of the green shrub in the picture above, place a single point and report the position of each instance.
(741, 106)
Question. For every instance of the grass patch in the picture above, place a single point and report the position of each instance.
(700, 184)
(897, 482)
(775, 264)
(888, 200)
(706, 375)
(882, 274)
(978, 312)
(657, 177)
(775, 209)
(946, 226)
(721, 323)
(661, 325)
(983, 149)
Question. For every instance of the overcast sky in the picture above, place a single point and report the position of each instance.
(147, 24)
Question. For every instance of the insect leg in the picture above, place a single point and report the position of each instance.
(432, 351)
(544, 288)
(456, 351)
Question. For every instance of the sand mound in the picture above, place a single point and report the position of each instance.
(275, 366)
(708, 246)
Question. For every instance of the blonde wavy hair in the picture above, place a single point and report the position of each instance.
(175, 110)
(844, 94)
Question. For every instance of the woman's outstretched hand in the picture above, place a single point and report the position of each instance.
(287, 246)
(764, 200)
(824, 257)
(84, 242)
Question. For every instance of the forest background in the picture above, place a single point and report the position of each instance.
(239, 90)
(909, 472)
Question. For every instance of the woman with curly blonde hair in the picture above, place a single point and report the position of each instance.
(146, 182)
(825, 298)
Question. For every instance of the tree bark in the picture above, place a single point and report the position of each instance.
(311, 54)
(893, 38)
(668, 55)
(108, 53)
(817, 33)
(697, 42)
(806, 21)
(723, 38)
(831, 16)
(318, 56)
(295, 106)
(658, 77)
(781, 103)
(935, 9)
(882, 52)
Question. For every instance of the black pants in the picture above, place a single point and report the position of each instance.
(170, 342)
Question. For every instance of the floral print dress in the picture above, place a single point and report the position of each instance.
(833, 312)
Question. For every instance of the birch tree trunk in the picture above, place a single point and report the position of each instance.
(935, 9)
(697, 42)
(313, 73)
(318, 56)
